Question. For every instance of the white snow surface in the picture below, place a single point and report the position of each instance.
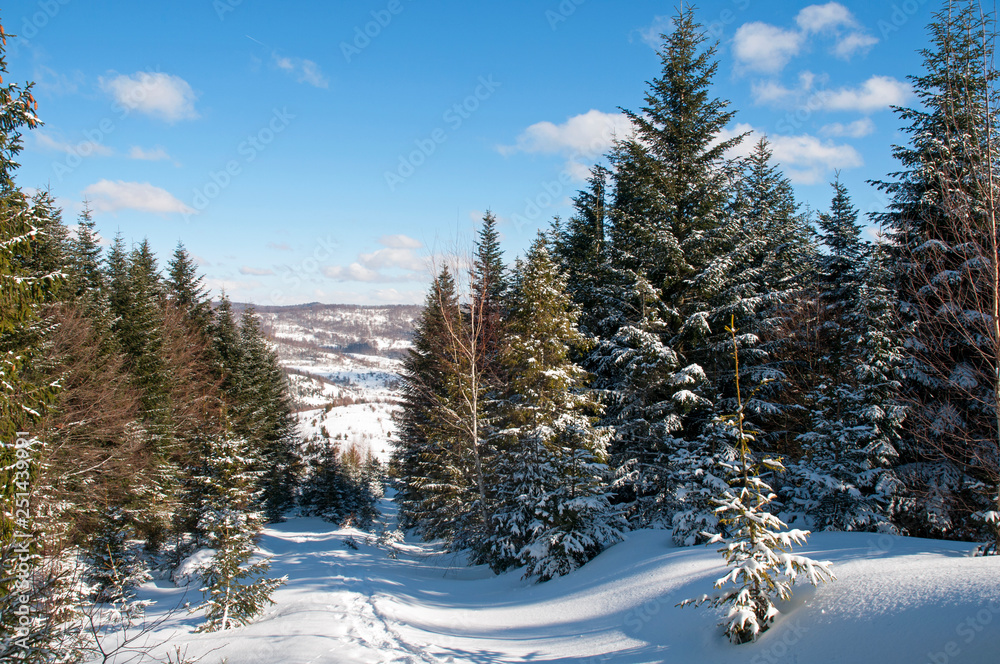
(372, 382)
(896, 599)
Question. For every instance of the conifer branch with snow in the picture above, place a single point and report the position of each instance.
(762, 567)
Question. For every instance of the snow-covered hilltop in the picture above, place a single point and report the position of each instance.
(354, 329)
(342, 362)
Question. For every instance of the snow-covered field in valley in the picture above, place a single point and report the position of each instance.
(896, 599)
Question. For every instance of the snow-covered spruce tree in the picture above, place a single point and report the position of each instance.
(553, 512)
(763, 568)
(472, 373)
(85, 257)
(844, 478)
(443, 458)
(235, 588)
(761, 261)
(671, 190)
(186, 290)
(113, 567)
(32, 553)
(262, 415)
(762, 253)
(942, 222)
(581, 249)
(435, 489)
(323, 491)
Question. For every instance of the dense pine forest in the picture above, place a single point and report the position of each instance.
(690, 322)
(692, 350)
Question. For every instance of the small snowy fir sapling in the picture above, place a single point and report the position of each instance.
(114, 568)
(757, 552)
(232, 524)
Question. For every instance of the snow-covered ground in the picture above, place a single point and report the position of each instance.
(333, 382)
(896, 600)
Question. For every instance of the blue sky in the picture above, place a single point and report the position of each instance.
(322, 151)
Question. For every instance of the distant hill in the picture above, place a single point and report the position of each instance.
(383, 331)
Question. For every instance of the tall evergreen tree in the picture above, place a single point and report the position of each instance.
(553, 511)
(262, 414)
(85, 256)
(672, 177)
(437, 488)
(186, 290)
(943, 226)
(581, 247)
(672, 182)
(844, 478)
(27, 283)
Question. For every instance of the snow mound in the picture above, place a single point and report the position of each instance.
(896, 599)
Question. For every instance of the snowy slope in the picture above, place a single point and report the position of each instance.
(896, 600)
(354, 402)
(343, 366)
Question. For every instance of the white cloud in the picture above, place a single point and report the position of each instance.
(82, 149)
(256, 271)
(765, 48)
(53, 82)
(822, 18)
(352, 272)
(774, 93)
(164, 96)
(806, 159)
(304, 71)
(837, 20)
(586, 135)
(401, 259)
(397, 261)
(108, 196)
(393, 296)
(155, 154)
(279, 246)
(651, 35)
(856, 129)
(232, 286)
(399, 242)
(853, 43)
(875, 94)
